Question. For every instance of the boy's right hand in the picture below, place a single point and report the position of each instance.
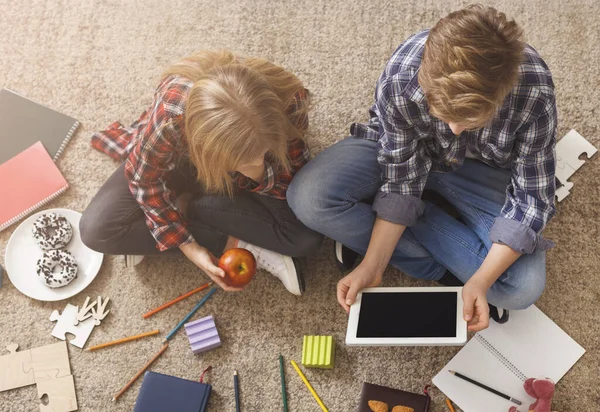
(208, 263)
(349, 286)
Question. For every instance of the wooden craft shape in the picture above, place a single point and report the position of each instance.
(85, 311)
(12, 374)
(61, 394)
(66, 323)
(99, 313)
(47, 367)
(318, 352)
(568, 150)
(49, 362)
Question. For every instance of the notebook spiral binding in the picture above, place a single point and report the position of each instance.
(66, 141)
(33, 208)
(501, 357)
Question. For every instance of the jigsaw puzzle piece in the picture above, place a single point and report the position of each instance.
(65, 323)
(61, 394)
(12, 375)
(49, 362)
(571, 146)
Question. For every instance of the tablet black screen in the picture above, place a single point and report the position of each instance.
(407, 315)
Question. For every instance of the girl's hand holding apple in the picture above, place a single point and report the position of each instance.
(206, 261)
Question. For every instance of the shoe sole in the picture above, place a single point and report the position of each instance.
(339, 258)
(299, 265)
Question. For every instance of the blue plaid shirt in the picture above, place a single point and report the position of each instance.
(412, 143)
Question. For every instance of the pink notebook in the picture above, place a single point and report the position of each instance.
(27, 182)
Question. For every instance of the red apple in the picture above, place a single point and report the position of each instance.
(239, 266)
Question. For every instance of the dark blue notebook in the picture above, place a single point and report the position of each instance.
(164, 393)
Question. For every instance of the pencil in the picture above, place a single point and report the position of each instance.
(174, 301)
(137, 375)
(450, 407)
(309, 386)
(123, 340)
(283, 391)
(487, 388)
(236, 388)
(189, 315)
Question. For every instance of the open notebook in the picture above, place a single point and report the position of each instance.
(27, 182)
(529, 345)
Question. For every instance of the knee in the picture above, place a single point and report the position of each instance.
(93, 232)
(523, 286)
(307, 243)
(311, 198)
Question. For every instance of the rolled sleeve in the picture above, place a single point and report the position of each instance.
(517, 236)
(396, 208)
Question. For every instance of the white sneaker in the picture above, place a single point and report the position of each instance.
(282, 267)
(133, 260)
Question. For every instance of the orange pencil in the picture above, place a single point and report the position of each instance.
(123, 340)
(174, 301)
(146, 366)
(449, 405)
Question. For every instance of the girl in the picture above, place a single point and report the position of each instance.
(206, 169)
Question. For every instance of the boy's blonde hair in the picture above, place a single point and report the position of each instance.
(237, 109)
(470, 64)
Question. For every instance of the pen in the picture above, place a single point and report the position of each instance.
(487, 388)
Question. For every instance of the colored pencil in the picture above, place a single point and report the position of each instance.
(236, 388)
(174, 301)
(283, 391)
(189, 315)
(123, 340)
(309, 386)
(487, 388)
(450, 407)
(137, 375)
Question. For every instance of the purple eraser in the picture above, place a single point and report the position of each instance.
(203, 334)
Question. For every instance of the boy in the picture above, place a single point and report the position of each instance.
(467, 111)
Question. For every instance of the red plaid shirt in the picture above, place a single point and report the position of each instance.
(151, 146)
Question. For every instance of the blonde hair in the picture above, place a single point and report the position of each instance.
(470, 64)
(237, 109)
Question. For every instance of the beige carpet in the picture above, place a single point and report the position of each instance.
(99, 61)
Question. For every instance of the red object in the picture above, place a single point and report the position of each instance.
(540, 389)
(239, 266)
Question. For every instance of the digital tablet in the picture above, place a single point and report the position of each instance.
(423, 316)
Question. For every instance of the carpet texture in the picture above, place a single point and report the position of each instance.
(99, 61)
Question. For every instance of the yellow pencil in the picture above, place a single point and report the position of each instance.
(116, 342)
(308, 385)
(449, 405)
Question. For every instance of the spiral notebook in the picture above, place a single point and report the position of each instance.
(27, 182)
(24, 122)
(529, 345)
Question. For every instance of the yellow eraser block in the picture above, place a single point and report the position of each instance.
(318, 352)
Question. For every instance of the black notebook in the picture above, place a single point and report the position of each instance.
(164, 393)
(24, 122)
(392, 397)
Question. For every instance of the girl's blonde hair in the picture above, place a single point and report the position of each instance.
(237, 109)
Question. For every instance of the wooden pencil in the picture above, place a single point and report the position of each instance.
(189, 315)
(137, 375)
(178, 299)
(309, 386)
(123, 340)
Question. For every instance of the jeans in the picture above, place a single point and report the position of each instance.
(114, 223)
(334, 192)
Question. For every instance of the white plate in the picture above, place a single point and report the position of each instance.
(22, 254)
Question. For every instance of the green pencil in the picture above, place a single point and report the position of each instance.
(283, 394)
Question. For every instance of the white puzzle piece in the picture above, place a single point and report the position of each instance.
(66, 323)
(568, 150)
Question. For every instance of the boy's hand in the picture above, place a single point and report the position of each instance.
(208, 263)
(349, 286)
(476, 311)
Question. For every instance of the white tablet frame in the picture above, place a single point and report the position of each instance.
(461, 325)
